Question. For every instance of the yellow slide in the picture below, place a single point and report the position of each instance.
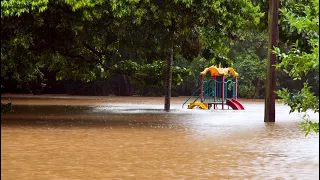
(200, 104)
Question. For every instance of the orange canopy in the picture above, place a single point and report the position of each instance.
(215, 71)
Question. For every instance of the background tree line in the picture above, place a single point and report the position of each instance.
(117, 47)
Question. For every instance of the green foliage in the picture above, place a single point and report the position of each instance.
(232, 19)
(249, 55)
(308, 126)
(85, 40)
(302, 58)
(18, 7)
(252, 75)
(300, 63)
(292, 13)
(152, 75)
(300, 101)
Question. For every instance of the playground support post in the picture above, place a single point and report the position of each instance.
(215, 90)
(269, 111)
(222, 92)
(236, 88)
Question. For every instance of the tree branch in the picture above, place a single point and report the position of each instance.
(97, 53)
(93, 50)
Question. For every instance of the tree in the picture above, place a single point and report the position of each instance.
(250, 58)
(89, 39)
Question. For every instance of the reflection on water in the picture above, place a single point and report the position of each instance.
(133, 138)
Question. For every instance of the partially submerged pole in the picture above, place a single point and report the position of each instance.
(167, 90)
(269, 111)
(167, 97)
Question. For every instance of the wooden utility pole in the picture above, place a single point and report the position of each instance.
(269, 110)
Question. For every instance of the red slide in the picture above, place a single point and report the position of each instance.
(238, 103)
(234, 104)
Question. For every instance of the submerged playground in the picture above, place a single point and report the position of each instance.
(217, 90)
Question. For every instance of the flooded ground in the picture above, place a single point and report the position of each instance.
(77, 137)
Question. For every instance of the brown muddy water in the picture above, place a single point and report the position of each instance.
(76, 137)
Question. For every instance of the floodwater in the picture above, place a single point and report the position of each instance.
(74, 137)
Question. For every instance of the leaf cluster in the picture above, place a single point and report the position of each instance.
(303, 56)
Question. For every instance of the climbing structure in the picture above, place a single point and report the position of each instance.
(215, 90)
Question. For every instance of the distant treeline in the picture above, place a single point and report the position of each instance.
(121, 86)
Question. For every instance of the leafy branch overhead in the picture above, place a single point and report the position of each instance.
(88, 39)
(302, 58)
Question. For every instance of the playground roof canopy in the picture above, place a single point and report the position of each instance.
(217, 71)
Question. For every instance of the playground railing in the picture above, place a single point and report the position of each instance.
(218, 90)
(234, 90)
(209, 91)
(212, 91)
(218, 94)
(206, 86)
(191, 97)
(226, 89)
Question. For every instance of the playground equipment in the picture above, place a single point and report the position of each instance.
(215, 90)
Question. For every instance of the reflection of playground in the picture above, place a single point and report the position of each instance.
(215, 90)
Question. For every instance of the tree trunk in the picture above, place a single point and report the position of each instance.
(169, 73)
(269, 111)
(126, 85)
(123, 86)
(168, 80)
